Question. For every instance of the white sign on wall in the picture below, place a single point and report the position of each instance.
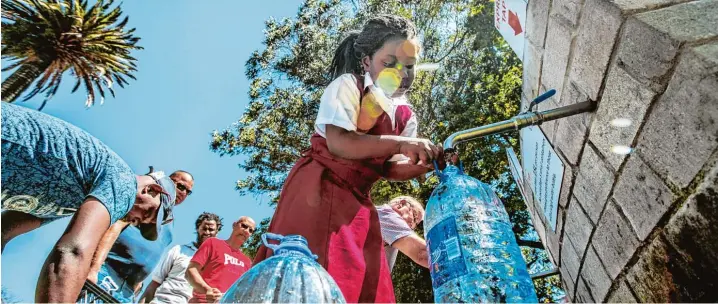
(516, 171)
(543, 171)
(510, 21)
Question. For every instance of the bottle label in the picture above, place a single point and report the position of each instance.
(445, 257)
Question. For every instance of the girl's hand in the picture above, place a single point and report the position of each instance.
(420, 151)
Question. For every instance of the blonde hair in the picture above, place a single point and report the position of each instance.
(417, 206)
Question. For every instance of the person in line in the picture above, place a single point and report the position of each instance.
(124, 258)
(168, 279)
(52, 169)
(217, 264)
(398, 219)
(365, 131)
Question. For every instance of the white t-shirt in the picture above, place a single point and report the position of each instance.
(340, 106)
(174, 288)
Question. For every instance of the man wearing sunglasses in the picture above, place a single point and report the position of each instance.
(125, 257)
(397, 220)
(52, 169)
(217, 264)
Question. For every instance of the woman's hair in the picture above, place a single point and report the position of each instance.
(207, 216)
(357, 44)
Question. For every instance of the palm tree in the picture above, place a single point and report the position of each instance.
(44, 39)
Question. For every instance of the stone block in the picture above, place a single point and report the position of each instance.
(556, 54)
(633, 6)
(595, 276)
(568, 180)
(532, 67)
(553, 244)
(643, 197)
(663, 274)
(569, 10)
(568, 287)
(614, 240)
(578, 227)
(694, 228)
(570, 261)
(583, 294)
(597, 33)
(593, 183)
(572, 131)
(650, 40)
(682, 130)
(646, 53)
(622, 294)
(685, 22)
(624, 99)
(536, 21)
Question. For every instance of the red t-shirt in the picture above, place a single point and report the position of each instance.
(221, 265)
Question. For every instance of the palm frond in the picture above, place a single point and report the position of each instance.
(57, 36)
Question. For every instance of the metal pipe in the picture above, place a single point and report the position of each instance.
(518, 122)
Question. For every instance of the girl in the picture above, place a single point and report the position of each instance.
(365, 131)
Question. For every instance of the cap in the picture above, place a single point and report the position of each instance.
(167, 201)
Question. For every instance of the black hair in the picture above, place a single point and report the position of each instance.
(357, 44)
(182, 171)
(208, 216)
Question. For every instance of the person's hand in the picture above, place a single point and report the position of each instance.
(420, 151)
(213, 295)
(92, 276)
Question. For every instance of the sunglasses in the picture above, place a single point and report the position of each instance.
(247, 227)
(183, 188)
(415, 220)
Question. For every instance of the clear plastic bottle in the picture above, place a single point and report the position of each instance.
(473, 253)
(291, 275)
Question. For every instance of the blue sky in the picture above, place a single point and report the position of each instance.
(190, 81)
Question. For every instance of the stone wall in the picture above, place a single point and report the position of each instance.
(641, 227)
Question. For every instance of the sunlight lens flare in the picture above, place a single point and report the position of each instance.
(621, 150)
(388, 81)
(429, 67)
(621, 122)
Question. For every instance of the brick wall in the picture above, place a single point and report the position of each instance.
(641, 227)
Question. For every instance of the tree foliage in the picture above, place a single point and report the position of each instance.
(44, 39)
(478, 83)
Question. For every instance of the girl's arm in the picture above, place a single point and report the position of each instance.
(352, 145)
(403, 170)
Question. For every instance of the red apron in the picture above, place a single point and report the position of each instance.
(326, 200)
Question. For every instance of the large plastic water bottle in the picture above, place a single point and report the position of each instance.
(473, 252)
(291, 275)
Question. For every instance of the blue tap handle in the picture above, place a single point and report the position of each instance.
(271, 236)
(544, 96)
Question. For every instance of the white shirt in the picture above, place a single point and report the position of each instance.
(340, 105)
(174, 288)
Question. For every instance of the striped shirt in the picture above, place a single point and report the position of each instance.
(393, 228)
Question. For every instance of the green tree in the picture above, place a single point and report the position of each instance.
(44, 39)
(478, 83)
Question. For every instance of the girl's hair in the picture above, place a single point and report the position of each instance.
(357, 44)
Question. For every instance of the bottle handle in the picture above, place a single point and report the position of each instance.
(267, 236)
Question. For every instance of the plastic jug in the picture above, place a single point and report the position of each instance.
(291, 275)
(473, 254)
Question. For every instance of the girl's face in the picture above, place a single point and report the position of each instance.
(392, 66)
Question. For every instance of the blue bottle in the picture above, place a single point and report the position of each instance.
(291, 275)
(473, 254)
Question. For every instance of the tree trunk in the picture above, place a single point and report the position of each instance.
(20, 80)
